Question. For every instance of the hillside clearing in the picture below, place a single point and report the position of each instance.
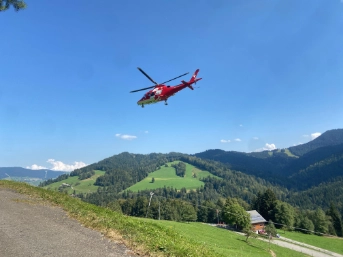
(166, 177)
(80, 186)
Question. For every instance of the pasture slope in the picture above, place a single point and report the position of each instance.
(80, 186)
(153, 237)
(166, 177)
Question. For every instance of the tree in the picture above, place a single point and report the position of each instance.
(283, 214)
(270, 229)
(115, 206)
(180, 169)
(188, 212)
(17, 5)
(319, 221)
(336, 219)
(202, 214)
(265, 203)
(235, 214)
(248, 231)
(307, 225)
(268, 204)
(152, 180)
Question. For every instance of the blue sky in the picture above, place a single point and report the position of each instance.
(272, 76)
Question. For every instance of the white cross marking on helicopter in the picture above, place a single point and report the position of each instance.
(157, 91)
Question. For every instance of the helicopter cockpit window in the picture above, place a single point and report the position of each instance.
(152, 94)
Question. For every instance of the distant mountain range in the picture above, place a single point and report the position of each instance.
(305, 175)
(298, 167)
(43, 174)
(328, 138)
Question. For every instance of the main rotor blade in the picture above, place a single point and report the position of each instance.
(146, 75)
(141, 89)
(175, 78)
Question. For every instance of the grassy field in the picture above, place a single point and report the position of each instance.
(152, 237)
(80, 186)
(333, 244)
(290, 154)
(166, 177)
(224, 242)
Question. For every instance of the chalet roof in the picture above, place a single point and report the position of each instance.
(256, 217)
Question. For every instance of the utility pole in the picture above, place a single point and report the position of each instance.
(151, 194)
(217, 216)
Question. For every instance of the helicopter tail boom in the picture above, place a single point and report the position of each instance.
(187, 84)
(192, 80)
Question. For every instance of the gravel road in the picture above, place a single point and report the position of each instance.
(310, 250)
(315, 252)
(28, 228)
(320, 250)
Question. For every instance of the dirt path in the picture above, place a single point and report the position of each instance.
(28, 228)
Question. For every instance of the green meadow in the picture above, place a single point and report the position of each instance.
(166, 176)
(149, 237)
(80, 186)
(334, 244)
(223, 242)
(290, 154)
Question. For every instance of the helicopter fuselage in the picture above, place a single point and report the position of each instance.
(162, 92)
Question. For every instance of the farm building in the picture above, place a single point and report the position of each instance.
(257, 220)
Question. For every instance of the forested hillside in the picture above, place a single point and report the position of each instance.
(232, 184)
(309, 181)
(320, 195)
(318, 166)
(328, 138)
(310, 169)
(269, 168)
(125, 169)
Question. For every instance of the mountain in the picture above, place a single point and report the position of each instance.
(328, 138)
(313, 168)
(320, 195)
(318, 161)
(267, 165)
(22, 172)
(299, 179)
(126, 169)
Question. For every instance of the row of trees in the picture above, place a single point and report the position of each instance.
(170, 204)
(86, 175)
(287, 217)
(180, 169)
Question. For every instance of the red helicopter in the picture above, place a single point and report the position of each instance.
(162, 92)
